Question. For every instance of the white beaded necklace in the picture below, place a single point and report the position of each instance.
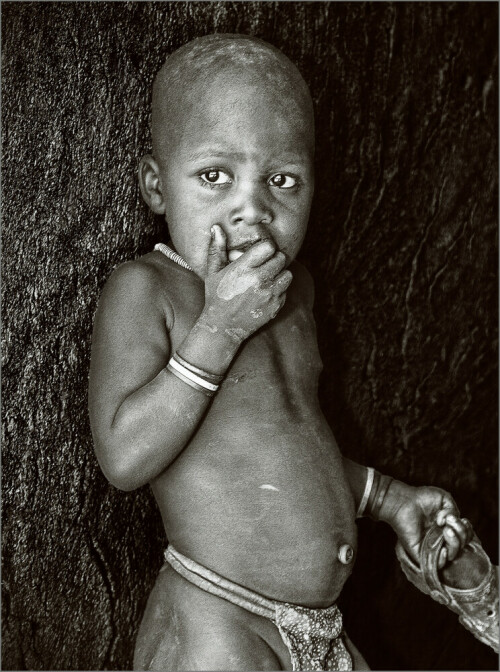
(168, 252)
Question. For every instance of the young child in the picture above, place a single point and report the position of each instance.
(204, 383)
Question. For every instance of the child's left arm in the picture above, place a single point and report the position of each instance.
(410, 511)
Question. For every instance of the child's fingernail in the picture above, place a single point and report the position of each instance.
(212, 232)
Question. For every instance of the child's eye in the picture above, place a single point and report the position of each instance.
(282, 181)
(215, 177)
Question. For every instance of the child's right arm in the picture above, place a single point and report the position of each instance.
(142, 415)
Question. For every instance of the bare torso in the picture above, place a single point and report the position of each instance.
(259, 494)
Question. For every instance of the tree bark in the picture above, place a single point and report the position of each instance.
(402, 245)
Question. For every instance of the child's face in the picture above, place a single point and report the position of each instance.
(239, 156)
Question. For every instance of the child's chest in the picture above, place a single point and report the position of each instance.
(283, 352)
(286, 348)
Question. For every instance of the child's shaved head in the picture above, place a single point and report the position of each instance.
(195, 67)
(233, 146)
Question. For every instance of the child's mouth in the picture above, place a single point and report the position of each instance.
(232, 255)
(237, 252)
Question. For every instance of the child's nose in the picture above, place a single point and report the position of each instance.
(251, 205)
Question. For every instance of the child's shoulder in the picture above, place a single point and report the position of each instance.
(143, 283)
(136, 278)
(142, 273)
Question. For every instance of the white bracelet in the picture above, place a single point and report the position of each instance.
(214, 378)
(366, 494)
(191, 378)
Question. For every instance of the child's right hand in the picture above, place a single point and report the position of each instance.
(242, 296)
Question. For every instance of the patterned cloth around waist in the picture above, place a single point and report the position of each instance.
(313, 636)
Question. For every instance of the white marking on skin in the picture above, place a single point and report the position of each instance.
(266, 486)
(256, 313)
(211, 329)
(236, 333)
(228, 288)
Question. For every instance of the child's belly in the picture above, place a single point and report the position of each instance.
(260, 495)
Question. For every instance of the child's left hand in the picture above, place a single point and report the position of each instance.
(410, 511)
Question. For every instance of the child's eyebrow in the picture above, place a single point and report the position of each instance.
(218, 152)
(215, 151)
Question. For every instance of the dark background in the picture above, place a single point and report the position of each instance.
(402, 246)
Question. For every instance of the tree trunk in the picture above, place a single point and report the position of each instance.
(402, 246)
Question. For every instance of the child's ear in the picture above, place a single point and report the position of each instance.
(150, 183)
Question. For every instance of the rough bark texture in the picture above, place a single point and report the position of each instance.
(402, 246)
